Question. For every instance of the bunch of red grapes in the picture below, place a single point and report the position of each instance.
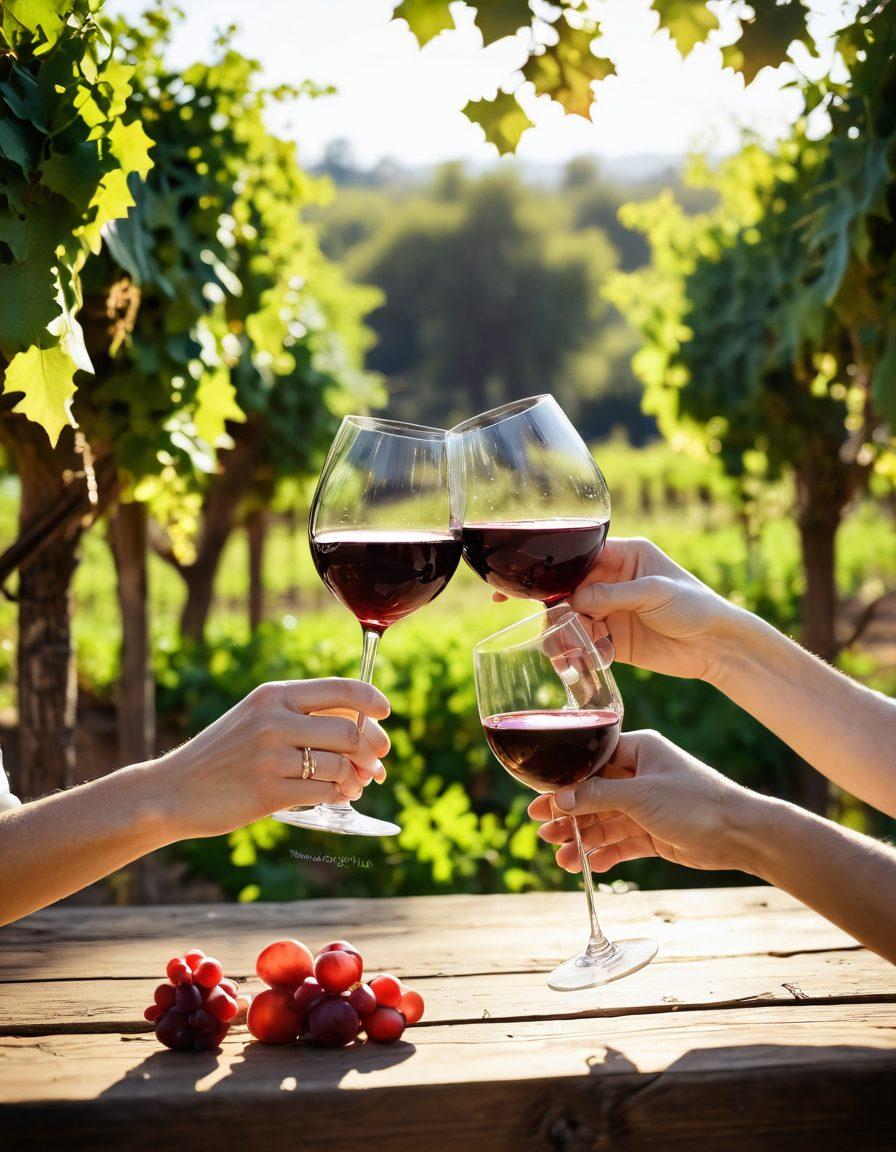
(197, 1006)
(325, 997)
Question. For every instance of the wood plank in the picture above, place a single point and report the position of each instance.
(820, 1077)
(47, 1007)
(423, 936)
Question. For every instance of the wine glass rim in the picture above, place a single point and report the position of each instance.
(486, 644)
(395, 427)
(497, 415)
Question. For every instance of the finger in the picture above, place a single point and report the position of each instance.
(643, 595)
(560, 830)
(332, 768)
(334, 692)
(602, 859)
(307, 793)
(336, 734)
(365, 775)
(598, 795)
(498, 597)
(540, 808)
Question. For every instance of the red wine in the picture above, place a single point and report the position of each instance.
(384, 575)
(539, 559)
(549, 749)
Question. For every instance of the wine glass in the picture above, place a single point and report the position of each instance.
(534, 505)
(551, 712)
(382, 541)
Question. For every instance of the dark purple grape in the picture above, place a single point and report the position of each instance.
(187, 997)
(333, 1022)
(173, 1031)
(362, 999)
(202, 1021)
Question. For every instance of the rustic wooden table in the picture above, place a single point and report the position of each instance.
(758, 1026)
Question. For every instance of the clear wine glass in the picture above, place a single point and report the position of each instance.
(551, 712)
(533, 503)
(382, 541)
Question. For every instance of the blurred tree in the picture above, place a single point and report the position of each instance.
(770, 321)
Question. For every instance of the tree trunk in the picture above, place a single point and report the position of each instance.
(47, 682)
(823, 490)
(136, 692)
(226, 491)
(256, 529)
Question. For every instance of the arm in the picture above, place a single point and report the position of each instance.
(659, 801)
(241, 768)
(662, 618)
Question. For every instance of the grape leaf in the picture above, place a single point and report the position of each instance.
(499, 18)
(215, 405)
(687, 21)
(502, 119)
(765, 38)
(46, 376)
(566, 70)
(46, 15)
(75, 174)
(425, 18)
(130, 147)
(17, 144)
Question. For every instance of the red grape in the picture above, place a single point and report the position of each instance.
(333, 1022)
(164, 996)
(208, 972)
(187, 997)
(173, 1031)
(152, 1013)
(178, 971)
(411, 1005)
(202, 1021)
(336, 971)
(385, 1025)
(222, 1006)
(243, 1004)
(193, 956)
(362, 999)
(306, 993)
(273, 1017)
(341, 946)
(285, 964)
(230, 987)
(387, 989)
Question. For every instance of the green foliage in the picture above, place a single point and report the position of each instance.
(560, 59)
(65, 160)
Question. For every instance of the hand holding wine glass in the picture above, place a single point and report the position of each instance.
(551, 714)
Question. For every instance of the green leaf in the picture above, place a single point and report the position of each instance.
(688, 22)
(764, 40)
(31, 287)
(130, 147)
(499, 18)
(215, 405)
(18, 145)
(75, 174)
(502, 119)
(425, 18)
(46, 376)
(46, 15)
(566, 70)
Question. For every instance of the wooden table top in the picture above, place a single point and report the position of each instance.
(759, 1025)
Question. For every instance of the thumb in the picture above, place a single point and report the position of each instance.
(598, 795)
(600, 600)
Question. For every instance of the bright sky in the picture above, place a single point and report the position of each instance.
(395, 100)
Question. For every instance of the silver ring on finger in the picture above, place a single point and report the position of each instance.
(309, 764)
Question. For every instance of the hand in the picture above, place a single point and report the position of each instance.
(657, 614)
(249, 762)
(652, 799)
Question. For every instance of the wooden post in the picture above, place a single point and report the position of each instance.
(136, 695)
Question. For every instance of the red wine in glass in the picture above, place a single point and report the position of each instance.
(547, 749)
(533, 504)
(383, 541)
(538, 559)
(383, 575)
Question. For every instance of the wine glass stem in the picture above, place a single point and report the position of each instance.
(597, 943)
(368, 655)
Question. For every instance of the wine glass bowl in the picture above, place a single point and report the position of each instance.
(533, 504)
(381, 538)
(551, 713)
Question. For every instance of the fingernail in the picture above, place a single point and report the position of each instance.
(379, 772)
(565, 799)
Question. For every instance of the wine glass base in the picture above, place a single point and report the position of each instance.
(613, 963)
(341, 818)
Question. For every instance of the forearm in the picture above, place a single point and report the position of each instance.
(58, 845)
(846, 731)
(848, 878)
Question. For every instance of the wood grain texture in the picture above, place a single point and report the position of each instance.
(760, 1026)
